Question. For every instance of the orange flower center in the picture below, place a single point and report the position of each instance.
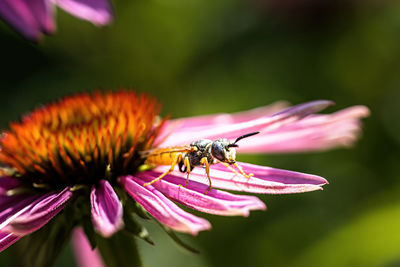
(81, 139)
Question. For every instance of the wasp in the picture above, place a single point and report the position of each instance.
(200, 153)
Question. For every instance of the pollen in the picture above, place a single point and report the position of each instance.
(81, 139)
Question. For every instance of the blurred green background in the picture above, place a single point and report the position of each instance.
(200, 57)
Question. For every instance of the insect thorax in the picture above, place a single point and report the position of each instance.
(203, 150)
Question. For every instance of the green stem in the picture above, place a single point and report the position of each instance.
(120, 250)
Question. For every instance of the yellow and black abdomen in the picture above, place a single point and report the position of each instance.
(161, 157)
(165, 156)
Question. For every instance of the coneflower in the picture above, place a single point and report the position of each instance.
(82, 157)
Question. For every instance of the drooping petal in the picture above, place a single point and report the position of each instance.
(84, 254)
(99, 12)
(13, 206)
(7, 239)
(215, 202)
(29, 17)
(266, 123)
(266, 180)
(161, 208)
(199, 123)
(106, 209)
(38, 213)
(313, 133)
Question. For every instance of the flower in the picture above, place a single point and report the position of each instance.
(82, 156)
(34, 17)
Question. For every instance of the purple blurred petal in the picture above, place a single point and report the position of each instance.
(106, 209)
(7, 239)
(305, 109)
(34, 17)
(43, 11)
(161, 208)
(84, 254)
(39, 212)
(266, 123)
(30, 17)
(215, 202)
(19, 14)
(99, 12)
(266, 180)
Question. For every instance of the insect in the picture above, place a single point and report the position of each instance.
(203, 152)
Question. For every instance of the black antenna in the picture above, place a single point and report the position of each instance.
(242, 137)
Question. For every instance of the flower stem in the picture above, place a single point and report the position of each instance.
(120, 250)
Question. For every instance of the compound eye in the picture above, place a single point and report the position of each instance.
(218, 151)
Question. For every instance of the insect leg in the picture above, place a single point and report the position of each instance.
(242, 172)
(239, 168)
(230, 168)
(205, 162)
(176, 159)
(187, 165)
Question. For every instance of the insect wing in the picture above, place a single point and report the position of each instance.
(158, 151)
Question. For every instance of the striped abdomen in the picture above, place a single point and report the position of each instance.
(165, 156)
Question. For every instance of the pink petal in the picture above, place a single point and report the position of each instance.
(266, 123)
(29, 17)
(84, 254)
(313, 133)
(211, 121)
(99, 12)
(161, 208)
(7, 239)
(266, 180)
(106, 209)
(215, 202)
(39, 212)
